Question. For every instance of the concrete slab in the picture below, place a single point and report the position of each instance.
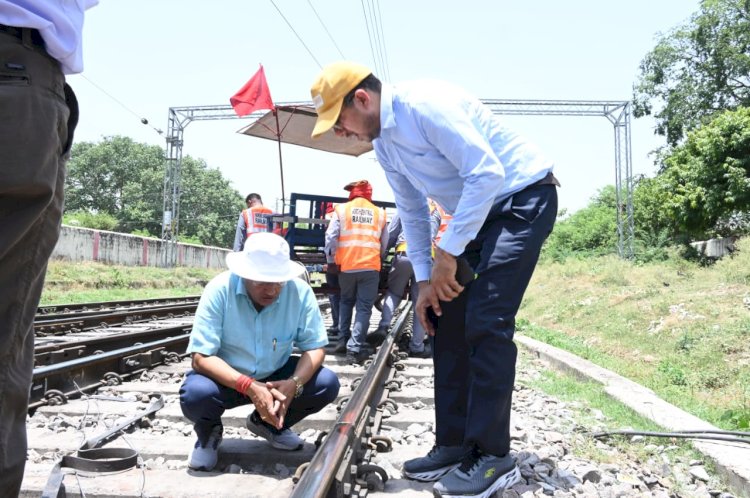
(244, 451)
(232, 418)
(183, 483)
(405, 395)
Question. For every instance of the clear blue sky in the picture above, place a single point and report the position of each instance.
(154, 54)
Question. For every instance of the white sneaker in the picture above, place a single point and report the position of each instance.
(284, 439)
(205, 457)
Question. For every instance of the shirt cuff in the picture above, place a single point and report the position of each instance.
(453, 244)
(422, 272)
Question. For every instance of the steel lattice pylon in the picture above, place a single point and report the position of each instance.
(617, 112)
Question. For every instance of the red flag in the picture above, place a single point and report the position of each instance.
(253, 96)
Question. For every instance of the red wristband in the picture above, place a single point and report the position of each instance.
(242, 384)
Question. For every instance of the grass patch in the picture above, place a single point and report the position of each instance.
(80, 282)
(673, 326)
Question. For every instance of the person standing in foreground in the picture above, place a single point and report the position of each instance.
(254, 219)
(40, 42)
(433, 139)
(247, 321)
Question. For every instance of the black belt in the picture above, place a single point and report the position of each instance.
(26, 35)
(549, 179)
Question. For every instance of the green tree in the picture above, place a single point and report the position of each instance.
(99, 172)
(125, 179)
(696, 70)
(707, 178)
(591, 230)
(209, 206)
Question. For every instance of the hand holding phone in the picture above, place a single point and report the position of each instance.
(464, 276)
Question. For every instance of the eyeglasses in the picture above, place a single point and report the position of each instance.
(267, 285)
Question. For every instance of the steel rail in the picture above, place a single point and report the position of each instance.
(109, 305)
(91, 321)
(323, 468)
(57, 352)
(54, 384)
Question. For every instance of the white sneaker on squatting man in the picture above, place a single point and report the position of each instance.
(205, 457)
(284, 439)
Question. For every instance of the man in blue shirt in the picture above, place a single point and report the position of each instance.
(433, 139)
(246, 324)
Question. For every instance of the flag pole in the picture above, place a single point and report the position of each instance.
(281, 162)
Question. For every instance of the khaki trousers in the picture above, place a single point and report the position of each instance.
(38, 113)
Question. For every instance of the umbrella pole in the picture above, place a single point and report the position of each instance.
(281, 162)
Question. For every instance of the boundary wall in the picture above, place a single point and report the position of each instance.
(86, 244)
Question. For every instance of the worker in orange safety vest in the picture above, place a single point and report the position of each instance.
(356, 242)
(254, 219)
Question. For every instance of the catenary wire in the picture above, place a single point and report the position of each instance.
(369, 38)
(141, 119)
(376, 34)
(326, 30)
(382, 37)
(296, 34)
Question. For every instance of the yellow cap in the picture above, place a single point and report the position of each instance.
(329, 89)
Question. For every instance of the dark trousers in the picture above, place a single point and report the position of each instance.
(38, 113)
(474, 352)
(203, 400)
(359, 290)
(335, 299)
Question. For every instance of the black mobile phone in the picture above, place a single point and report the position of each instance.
(464, 273)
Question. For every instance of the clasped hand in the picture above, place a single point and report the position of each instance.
(272, 400)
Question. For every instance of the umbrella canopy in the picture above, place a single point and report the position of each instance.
(294, 126)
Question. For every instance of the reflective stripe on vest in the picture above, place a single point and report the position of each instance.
(361, 224)
(256, 219)
(444, 219)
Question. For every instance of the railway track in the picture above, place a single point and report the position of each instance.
(63, 309)
(384, 416)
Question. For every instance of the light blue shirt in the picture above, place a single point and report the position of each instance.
(256, 343)
(59, 22)
(438, 141)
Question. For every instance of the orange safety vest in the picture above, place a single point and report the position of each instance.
(362, 224)
(444, 219)
(256, 219)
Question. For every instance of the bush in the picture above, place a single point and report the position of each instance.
(97, 221)
(589, 231)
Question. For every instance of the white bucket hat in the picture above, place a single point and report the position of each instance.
(265, 258)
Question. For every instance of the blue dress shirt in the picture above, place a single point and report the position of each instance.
(256, 343)
(438, 141)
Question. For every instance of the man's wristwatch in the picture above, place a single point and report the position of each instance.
(299, 384)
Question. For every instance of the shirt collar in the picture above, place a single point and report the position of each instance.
(387, 116)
